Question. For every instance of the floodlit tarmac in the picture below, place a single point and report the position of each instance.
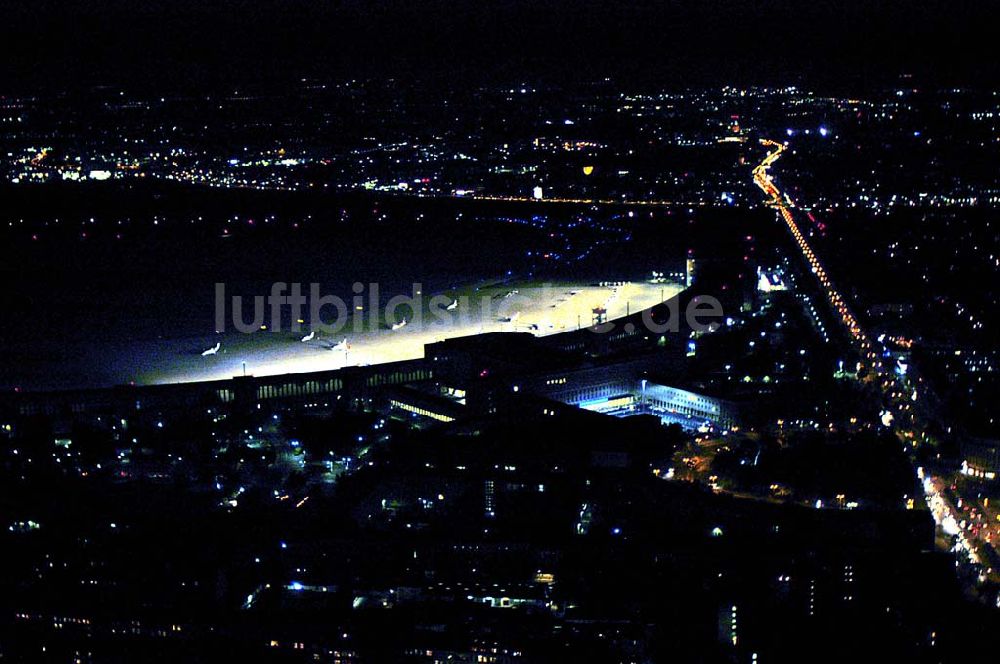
(538, 308)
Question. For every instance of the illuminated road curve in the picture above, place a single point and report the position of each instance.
(783, 204)
(895, 396)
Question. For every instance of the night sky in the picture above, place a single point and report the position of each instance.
(51, 42)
